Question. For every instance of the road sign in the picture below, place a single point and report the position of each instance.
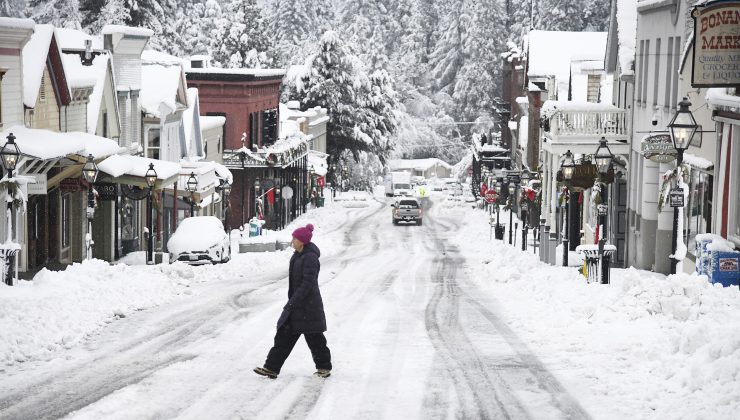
(287, 192)
(490, 196)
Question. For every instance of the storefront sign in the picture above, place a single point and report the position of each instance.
(658, 148)
(70, 185)
(728, 264)
(716, 44)
(39, 188)
(106, 191)
(677, 198)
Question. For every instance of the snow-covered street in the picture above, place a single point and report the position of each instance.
(424, 322)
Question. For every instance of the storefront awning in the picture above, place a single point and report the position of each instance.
(48, 145)
(131, 170)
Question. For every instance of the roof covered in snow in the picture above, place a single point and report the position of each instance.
(719, 97)
(35, 53)
(16, 23)
(119, 165)
(97, 73)
(191, 124)
(417, 164)
(74, 39)
(551, 52)
(549, 108)
(46, 144)
(161, 79)
(208, 122)
(213, 73)
(127, 30)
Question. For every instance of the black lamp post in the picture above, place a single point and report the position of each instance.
(243, 158)
(311, 172)
(334, 181)
(345, 176)
(191, 187)
(683, 127)
(568, 166)
(226, 204)
(151, 179)
(497, 189)
(604, 159)
(256, 197)
(279, 208)
(512, 191)
(525, 207)
(90, 173)
(10, 155)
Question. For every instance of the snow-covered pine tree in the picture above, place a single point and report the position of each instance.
(197, 23)
(98, 13)
(291, 26)
(61, 13)
(241, 36)
(381, 104)
(12, 8)
(331, 84)
(157, 15)
(447, 58)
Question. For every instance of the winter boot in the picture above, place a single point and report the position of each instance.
(265, 372)
(322, 373)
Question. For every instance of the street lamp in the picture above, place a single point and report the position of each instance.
(497, 189)
(567, 167)
(683, 127)
(311, 172)
(151, 179)
(512, 191)
(256, 198)
(90, 173)
(10, 154)
(191, 186)
(525, 207)
(604, 159)
(279, 207)
(226, 204)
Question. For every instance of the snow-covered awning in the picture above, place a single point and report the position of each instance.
(280, 154)
(205, 174)
(317, 161)
(132, 170)
(47, 145)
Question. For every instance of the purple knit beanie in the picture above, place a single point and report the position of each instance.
(304, 234)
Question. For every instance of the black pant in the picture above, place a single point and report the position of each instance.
(285, 340)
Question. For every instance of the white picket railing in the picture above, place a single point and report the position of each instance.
(589, 123)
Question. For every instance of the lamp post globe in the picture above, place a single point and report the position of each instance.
(192, 184)
(90, 170)
(568, 166)
(683, 126)
(10, 154)
(603, 157)
(497, 187)
(257, 184)
(151, 176)
(512, 189)
(227, 190)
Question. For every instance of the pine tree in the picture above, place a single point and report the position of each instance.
(157, 16)
(241, 37)
(447, 58)
(12, 8)
(98, 13)
(61, 13)
(197, 23)
(291, 26)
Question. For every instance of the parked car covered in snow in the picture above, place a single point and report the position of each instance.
(200, 240)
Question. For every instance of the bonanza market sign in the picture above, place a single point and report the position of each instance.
(716, 44)
(658, 148)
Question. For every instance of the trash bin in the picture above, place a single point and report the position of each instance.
(703, 254)
(254, 228)
(499, 231)
(725, 268)
(319, 201)
(593, 260)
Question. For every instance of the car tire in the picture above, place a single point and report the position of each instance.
(395, 222)
(418, 222)
(226, 257)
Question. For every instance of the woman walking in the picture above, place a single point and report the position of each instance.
(304, 312)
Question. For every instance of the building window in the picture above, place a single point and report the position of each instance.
(670, 74)
(676, 58)
(656, 82)
(699, 213)
(105, 124)
(594, 84)
(640, 63)
(645, 72)
(154, 146)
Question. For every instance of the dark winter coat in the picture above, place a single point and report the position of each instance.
(305, 309)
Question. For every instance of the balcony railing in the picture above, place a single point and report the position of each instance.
(588, 123)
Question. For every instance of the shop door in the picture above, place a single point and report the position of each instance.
(38, 241)
(619, 220)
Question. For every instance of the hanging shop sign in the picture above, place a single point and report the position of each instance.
(106, 191)
(716, 44)
(658, 148)
(39, 187)
(133, 192)
(677, 198)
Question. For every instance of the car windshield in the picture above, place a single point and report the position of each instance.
(403, 186)
(408, 204)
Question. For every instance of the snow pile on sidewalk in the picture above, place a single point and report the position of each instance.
(648, 345)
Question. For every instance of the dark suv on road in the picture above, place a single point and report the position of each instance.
(407, 210)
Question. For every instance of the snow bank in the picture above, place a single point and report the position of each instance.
(651, 346)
